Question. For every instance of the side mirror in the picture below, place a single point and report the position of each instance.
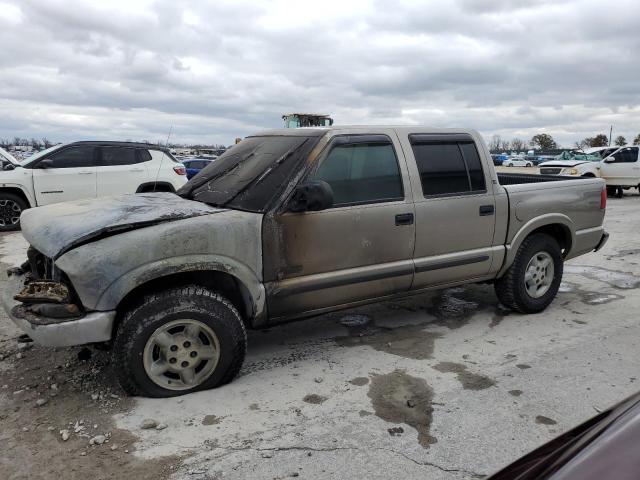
(46, 163)
(311, 197)
(9, 166)
(609, 160)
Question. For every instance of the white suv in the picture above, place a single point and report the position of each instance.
(80, 170)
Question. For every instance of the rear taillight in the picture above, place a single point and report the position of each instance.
(180, 170)
(603, 198)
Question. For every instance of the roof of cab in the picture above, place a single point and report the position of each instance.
(319, 131)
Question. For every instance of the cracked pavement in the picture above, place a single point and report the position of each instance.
(441, 386)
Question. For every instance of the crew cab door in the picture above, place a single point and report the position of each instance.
(70, 175)
(625, 168)
(121, 169)
(360, 248)
(455, 208)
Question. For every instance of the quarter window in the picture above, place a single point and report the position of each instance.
(113, 156)
(448, 167)
(74, 157)
(361, 173)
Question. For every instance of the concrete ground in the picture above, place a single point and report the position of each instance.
(441, 386)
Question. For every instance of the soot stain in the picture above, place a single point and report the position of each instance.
(408, 341)
(469, 380)
(359, 381)
(314, 399)
(515, 393)
(400, 398)
(542, 420)
(523, 366)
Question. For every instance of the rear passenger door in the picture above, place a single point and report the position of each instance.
(455, 208)
(360, 248)
(121, 169)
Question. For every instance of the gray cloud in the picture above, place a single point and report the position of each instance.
(75, 69)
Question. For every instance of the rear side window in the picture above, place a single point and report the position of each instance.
(447, 167)
(74, 157)
(144, 155)
(113, 156)
(626, 155)
(361, 173)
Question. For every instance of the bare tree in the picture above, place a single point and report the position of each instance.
(518, 144)
(636, 141)
(495, 143)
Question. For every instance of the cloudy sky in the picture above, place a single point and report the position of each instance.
(72, 69)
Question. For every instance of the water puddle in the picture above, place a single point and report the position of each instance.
(400, 398)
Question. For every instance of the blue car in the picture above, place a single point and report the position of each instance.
(194, 165)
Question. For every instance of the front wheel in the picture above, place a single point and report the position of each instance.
(11, 206)
(179, 341)
(533, 280)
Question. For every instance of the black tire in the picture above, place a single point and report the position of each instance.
(8, 203)
(157, 309)
(510, 288)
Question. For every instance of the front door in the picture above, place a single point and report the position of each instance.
(625, 168)
(71, 175)
(455, 209)
(361, 248)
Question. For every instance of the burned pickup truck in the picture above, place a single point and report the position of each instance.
(290, 224)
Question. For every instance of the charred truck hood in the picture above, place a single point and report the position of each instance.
(55, 229)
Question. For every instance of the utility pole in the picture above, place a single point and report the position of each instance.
(610, 133)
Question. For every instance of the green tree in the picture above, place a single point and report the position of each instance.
(620, 141)
(543, 141)
(600, 140)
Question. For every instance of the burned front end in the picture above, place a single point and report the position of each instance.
(40, 299)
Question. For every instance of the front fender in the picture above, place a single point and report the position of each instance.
(119, 288)
(532, 225)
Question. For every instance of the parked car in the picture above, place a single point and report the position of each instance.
(517, 162)
(82, 170)
(619, 166)
(604, 447)
(6, 158)
(289, 224)
(194, 165)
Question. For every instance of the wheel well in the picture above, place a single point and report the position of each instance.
(588, 174)
(155, 187)
(560, 232)
(222, 282)
(16, 191)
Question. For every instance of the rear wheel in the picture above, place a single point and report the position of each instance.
(179, 341)
(532, 281)
(11, 206)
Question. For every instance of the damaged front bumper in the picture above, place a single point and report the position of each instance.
(55, 330)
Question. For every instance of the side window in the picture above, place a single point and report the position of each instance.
(361, 173)
(74, 157)
(448, 167)
(626, 155)
(112, 156)
(144, 155)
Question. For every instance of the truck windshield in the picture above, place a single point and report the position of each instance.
(251, 174)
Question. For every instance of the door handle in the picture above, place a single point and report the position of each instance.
(85, 173)
(486, 210)
(404, 219)
(136, 170)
